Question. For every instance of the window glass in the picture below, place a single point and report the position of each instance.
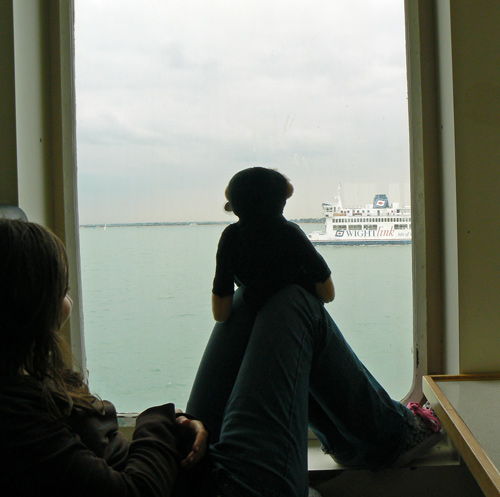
(173, 98)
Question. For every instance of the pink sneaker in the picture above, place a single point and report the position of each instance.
(424, 433)
(427, 414)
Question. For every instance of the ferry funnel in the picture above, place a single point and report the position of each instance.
(381, 201)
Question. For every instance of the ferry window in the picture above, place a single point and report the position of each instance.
(173, 98)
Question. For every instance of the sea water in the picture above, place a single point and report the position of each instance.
(147, 309)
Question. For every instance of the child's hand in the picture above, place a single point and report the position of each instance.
(193, 438)
(221, 307)
(325, 291)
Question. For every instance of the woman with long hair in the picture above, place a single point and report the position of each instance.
(34, 305)
(58, 438)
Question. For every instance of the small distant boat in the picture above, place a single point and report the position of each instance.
(380, 223)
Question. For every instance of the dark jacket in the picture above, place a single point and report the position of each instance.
(83, 455)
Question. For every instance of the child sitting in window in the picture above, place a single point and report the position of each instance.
(263, 251)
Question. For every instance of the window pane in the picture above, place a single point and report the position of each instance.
(173, 98)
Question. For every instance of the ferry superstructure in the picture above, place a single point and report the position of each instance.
(380, 223)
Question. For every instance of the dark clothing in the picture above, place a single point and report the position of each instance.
(264, 257)
(84, 455)
(264, 377)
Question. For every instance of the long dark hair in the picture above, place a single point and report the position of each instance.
(33, 284)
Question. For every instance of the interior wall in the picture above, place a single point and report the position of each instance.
(38, 139)
(446, 133)
(8, 145)
(32, 60)
(476, 63)
(471, 172)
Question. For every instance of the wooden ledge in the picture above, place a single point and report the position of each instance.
(468, 406)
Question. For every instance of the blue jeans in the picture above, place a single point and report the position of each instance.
(265, 378)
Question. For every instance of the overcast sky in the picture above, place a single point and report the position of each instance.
(174, 97)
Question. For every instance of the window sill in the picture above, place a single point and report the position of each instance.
(322, 467)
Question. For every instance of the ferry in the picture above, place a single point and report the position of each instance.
(380, 223)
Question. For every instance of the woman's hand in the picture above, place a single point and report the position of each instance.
(194, 437)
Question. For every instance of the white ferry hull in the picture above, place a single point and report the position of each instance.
(347, 238)
(377, 224)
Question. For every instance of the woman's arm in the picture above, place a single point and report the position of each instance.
(47, 457)
(325, 291)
